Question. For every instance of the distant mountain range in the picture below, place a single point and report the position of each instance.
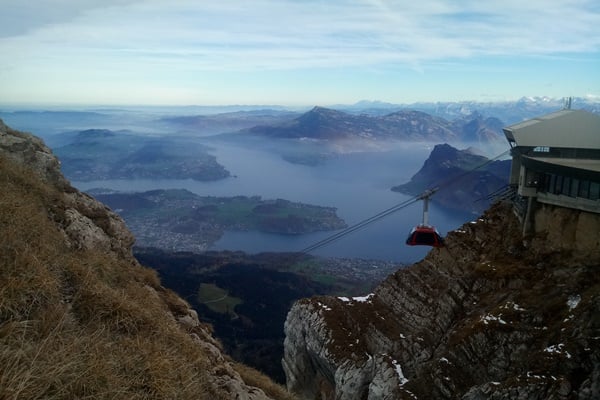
(328, 124)
(465, 179)
(229, 121)
(507, 111)
(96, 154)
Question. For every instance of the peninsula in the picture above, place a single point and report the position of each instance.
(180, 220)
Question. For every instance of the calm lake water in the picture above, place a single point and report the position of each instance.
(357, 184)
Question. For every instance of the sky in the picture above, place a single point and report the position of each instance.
(296, 52)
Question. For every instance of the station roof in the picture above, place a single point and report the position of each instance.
(565, 128)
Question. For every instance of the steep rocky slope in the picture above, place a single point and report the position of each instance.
(79, 317)
(490, 316)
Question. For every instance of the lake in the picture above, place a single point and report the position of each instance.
(357, 184)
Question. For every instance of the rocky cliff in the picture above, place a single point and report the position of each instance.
(467, 180)
(490, 316)
(79, 317)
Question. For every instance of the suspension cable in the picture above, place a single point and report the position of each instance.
(396, 207)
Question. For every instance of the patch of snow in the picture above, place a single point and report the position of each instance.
(402, 336)
(401, 378)
(557, 349)
(444, 359)
(360, 299)
(495, 383)
(412, 395)
(489, 317)
(573, 301)
(514, 306)
(530, 375)
(363, 298)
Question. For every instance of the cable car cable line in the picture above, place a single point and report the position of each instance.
(361, 224)
(397, 207)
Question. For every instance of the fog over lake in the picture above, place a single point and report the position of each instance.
(357, 184)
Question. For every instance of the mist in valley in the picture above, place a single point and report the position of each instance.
(354, 176)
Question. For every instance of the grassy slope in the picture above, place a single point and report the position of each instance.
(77, 324)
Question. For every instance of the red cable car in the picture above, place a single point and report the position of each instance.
(425, 234)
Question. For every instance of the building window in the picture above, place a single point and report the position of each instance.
(566, 188)
(551, 184)
(594, 190)
(558, 184)
(574, 187)
(584, 189)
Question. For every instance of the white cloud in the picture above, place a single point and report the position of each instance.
(291, 34)
(166, 41)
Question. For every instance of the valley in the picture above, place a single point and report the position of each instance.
(246, 297)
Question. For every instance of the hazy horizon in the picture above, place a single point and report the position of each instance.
(295, 54)
(53, 106)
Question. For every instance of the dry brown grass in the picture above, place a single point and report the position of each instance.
(85, 324)
(254, 378)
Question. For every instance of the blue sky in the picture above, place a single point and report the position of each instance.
(296, 53)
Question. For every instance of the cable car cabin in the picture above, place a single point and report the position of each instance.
(424, 235)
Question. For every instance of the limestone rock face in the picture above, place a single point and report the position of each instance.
(489, 316)
(31, 151)
(87, 223)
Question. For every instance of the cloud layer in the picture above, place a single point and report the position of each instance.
(137, 40)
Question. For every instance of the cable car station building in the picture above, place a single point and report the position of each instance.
(556, 161)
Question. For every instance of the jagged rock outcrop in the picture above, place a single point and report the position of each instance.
(79, 317)
(489, 316)
(85, 222)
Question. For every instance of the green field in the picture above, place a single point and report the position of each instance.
(217, 299)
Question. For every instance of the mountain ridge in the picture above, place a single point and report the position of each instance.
(329, 124)
(491, 315)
